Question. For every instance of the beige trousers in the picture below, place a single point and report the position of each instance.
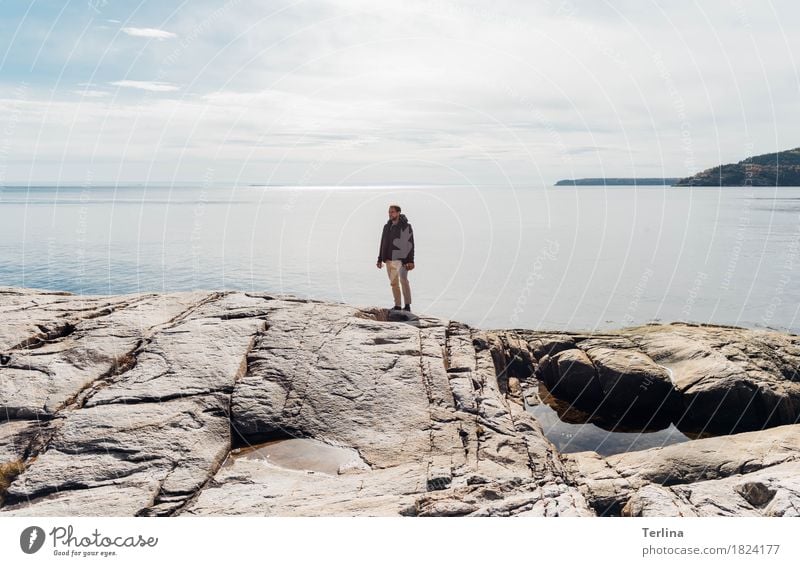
(398, 274)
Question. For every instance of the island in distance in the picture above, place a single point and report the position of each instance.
(781, 169)
(618, 181)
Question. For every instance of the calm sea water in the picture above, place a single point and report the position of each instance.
(494, 257)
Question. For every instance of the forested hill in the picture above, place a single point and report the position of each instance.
(770, 169)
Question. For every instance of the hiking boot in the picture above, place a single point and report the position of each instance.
(396, 308)
(407, 308)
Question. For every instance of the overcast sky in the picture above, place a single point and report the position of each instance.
(372, 92)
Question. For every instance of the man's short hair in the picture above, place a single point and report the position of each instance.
(395, 206)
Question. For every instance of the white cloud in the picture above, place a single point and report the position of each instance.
(88, 93)
(151, 33)
(153, 86)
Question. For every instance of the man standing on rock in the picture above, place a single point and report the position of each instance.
(397, 251)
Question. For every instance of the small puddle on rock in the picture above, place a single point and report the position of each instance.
(570, 430)
(303, 454)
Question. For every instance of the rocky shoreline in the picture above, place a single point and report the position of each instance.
(147, 404)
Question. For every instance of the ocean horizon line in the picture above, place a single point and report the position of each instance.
(234, 184)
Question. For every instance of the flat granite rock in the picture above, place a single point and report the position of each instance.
(608, 483)
(241, 403)
(770, 492)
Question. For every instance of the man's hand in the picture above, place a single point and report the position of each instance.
(379, 264)
(410, 265)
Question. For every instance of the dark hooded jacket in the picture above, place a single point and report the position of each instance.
(397, 241)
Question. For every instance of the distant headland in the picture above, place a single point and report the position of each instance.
(618, 181)
(767, 170)
(780, 169)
